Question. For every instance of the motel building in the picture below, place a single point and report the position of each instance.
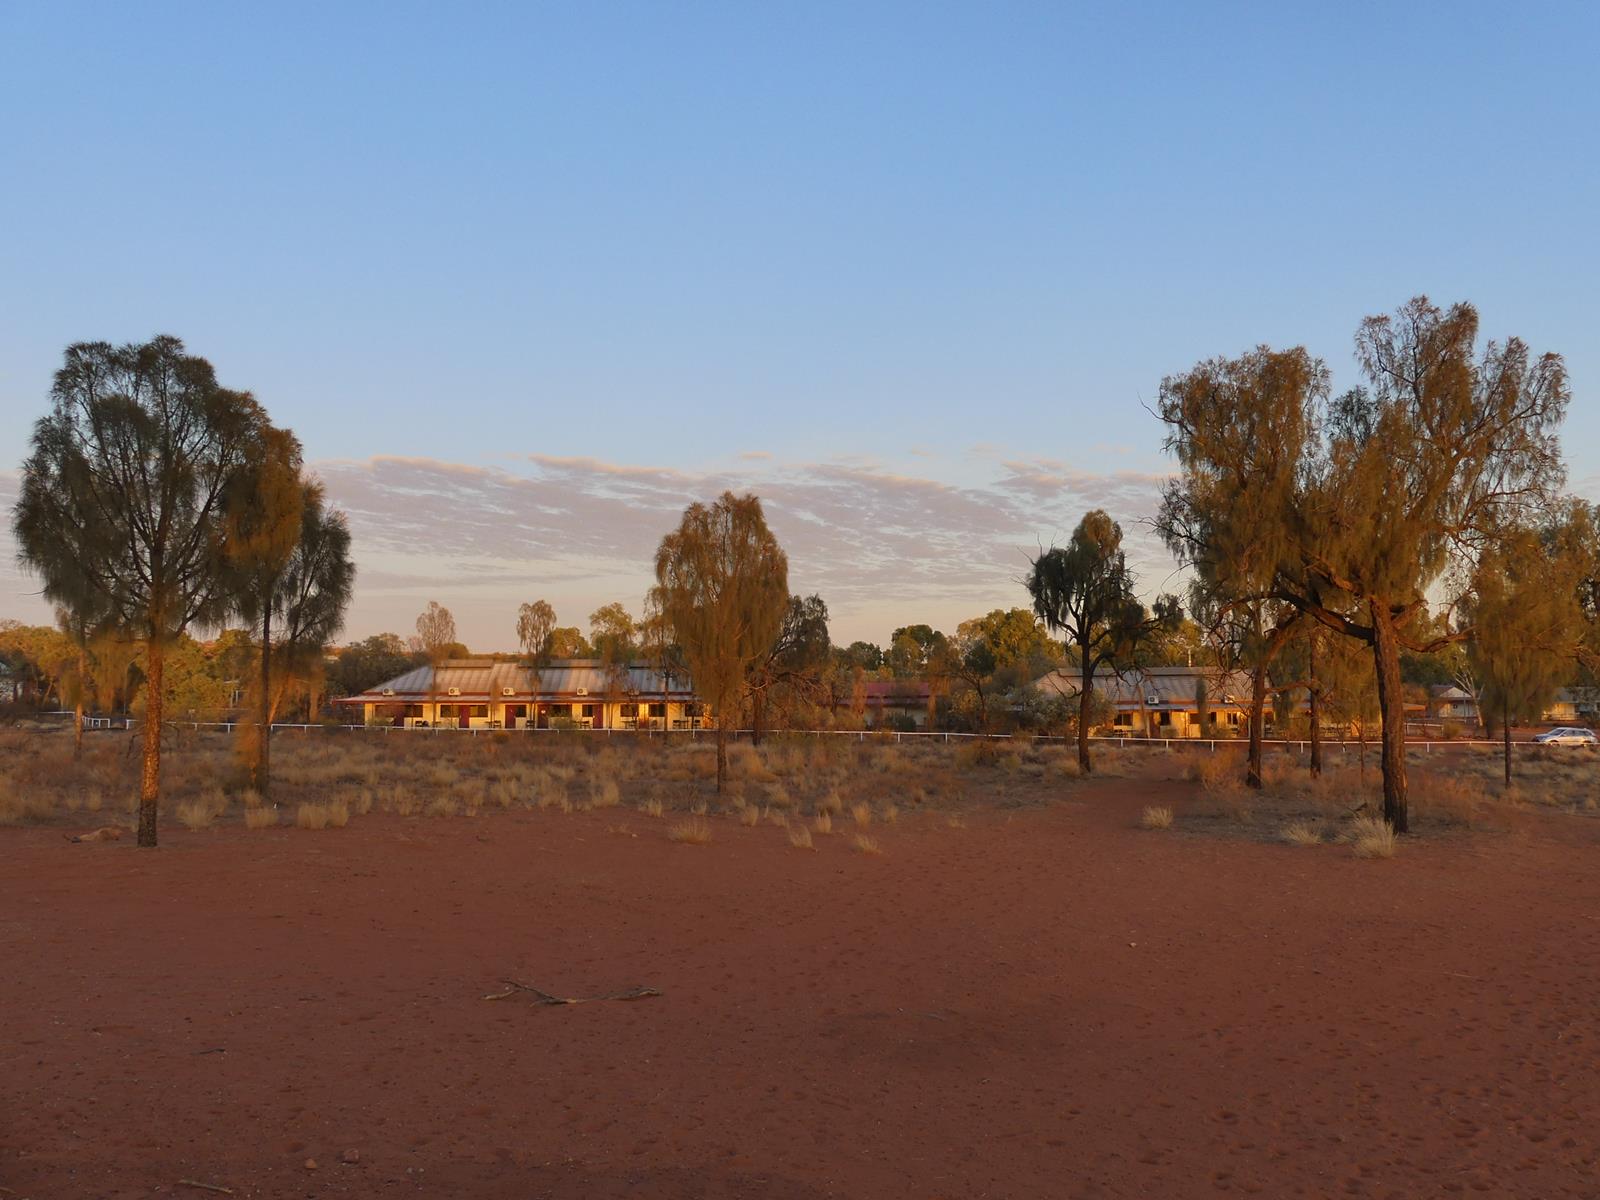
(1163, 702)
(580, 693)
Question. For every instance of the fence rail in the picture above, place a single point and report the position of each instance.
(1300, 745)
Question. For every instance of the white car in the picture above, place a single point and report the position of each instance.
(1567, 735)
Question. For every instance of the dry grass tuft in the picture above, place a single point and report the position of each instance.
(651, 807)
(866, 845)
(202, 811)
(1217, 771)
(311, 816)
(830, 803)
(1450, 800)
(779, 818)
(823, 823)
(749, 815)
(1372, 837)
(955, 821)
(441, 806)
(693, 831)
(1302, 833)
(1156, 817)
(604, 792)
(195, 814)
(260, 817)
(338, 814)
(800, 837)
(861, 814)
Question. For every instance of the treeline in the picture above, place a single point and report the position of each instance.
(202, 680)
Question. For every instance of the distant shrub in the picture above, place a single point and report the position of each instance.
(1302, 833)
(693, 831)
(1372, 837)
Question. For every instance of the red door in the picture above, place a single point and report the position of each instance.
(466, 716)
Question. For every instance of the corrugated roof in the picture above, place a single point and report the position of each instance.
(1154, 687)
(487, 678)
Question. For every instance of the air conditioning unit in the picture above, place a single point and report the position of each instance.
(388, 691)
(1152, 701)
(583, 691)
(1228, 698)
(508, 691)
(452, 692)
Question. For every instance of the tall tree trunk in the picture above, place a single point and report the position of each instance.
(1314, 694)
(1258, 722)
(1085, 700)
(77, 706)
(150, 770)
(1316, 733)
(722, 754)
(1392, 703)
(260, 764)
(1505, 730)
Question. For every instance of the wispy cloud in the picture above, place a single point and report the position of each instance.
(883, 548)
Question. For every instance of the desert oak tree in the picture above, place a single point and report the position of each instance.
(1398, 486)
(124, 496)
(1085, 592)
(722, 584)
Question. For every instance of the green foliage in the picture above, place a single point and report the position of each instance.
(1086, 592)
(613, 633)
(859, 654)
(912, 649)
(124, 506)
(1525, 606)
(567, 641)
(369, 662)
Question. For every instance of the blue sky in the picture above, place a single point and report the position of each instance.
(524, 279)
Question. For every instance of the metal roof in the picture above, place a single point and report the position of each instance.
(1154, 687)
(489, 679)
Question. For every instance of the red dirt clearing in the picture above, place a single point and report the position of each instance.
(1050, 1004)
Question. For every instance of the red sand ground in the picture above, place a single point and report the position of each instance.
(1054, 1004)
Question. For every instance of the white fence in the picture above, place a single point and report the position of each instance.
(1299, 745)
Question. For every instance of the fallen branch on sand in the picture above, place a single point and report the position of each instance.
(205, 1187)
(539, 997)
(106, 833)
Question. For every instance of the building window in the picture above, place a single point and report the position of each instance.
(1164, 717)
(446, 710)
(658, 710)
(561, 710)
(1233, 719)
(630, 712)
(588, 710)
(477, 710)
(1124, 721)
